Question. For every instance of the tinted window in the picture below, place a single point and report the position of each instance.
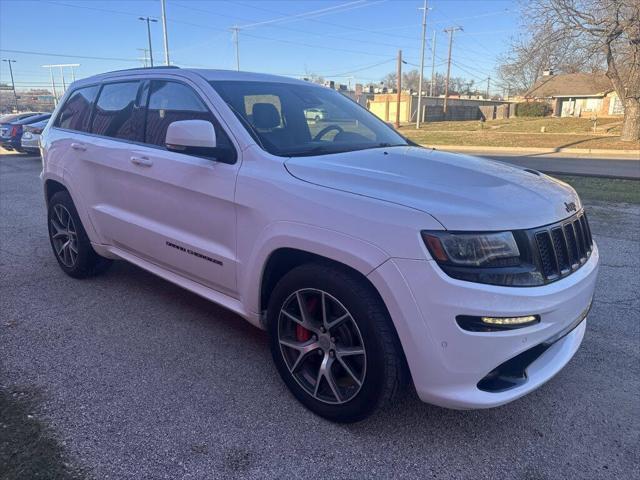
(76, 111)
(171, 102)
(114, 112)
(293, 119)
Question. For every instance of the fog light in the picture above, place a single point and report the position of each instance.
(495, 324)
(509, 320)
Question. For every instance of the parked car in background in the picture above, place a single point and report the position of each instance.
(316, 114)
(30, 142)
(14, 117)
(11, 133)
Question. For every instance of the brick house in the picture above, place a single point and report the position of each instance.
(577, 95)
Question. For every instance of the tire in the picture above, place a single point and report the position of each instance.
(65, 227)
(380, 369)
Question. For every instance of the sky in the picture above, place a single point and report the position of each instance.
(346, 40)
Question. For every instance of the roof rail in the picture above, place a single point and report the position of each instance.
(159, 67)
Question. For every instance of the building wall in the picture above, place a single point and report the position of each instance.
(587, 107)
(384, 106)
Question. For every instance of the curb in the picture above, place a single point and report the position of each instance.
(589, 151)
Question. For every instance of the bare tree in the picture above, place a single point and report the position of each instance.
(583, 34)
(537, 50)
(411, 80)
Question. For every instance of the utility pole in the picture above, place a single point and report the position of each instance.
(399, 73)
(488, 85)
(64, 85)
(61, 66)
(149, 20)
(236, 31)
(13, 84)
(450, 31)
(145, 56)
(53, 84)
(424, 35)
(164, 32)
(433, 64)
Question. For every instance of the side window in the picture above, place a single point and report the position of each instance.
(115, 112)
(76, 112)
(171, 102)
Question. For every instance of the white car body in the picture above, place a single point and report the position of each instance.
(364, 209)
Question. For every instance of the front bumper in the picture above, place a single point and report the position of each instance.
(447, 362)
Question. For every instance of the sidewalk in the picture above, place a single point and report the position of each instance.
(531, 151)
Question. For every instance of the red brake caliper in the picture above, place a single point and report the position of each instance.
(302, 334)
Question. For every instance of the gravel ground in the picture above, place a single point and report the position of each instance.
(144, 380)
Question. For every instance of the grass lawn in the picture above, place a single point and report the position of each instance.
(527, 125)
(604, 189)
(522, 132)
(27, 448)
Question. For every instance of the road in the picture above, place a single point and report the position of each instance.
(143, 380)
(604, 167)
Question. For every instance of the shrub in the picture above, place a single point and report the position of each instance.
(533, 109)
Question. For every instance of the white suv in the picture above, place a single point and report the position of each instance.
(370, 261)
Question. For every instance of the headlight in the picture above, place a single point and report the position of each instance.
(473, 249)
(494, 258)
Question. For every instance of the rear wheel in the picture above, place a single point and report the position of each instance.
(69, 240)
(333, 342)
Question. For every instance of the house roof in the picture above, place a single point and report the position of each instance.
(571, 85)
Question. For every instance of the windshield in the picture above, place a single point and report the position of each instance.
(297, 120)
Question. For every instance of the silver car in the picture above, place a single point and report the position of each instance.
(30, 142)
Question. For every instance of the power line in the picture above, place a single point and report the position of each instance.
(351, 28)
(293, 42)
(86, 57)
(310, 14)
(298, 30)
(361, 69)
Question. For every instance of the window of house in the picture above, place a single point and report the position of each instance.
(616, 107)
(114, 112)
(76, 112)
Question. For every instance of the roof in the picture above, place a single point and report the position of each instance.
(571, 85)
(207, 74)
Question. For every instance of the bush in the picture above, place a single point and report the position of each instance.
(533, 109)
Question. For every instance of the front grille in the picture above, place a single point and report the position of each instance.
(564, 246)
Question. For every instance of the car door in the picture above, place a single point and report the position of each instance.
(173, 209)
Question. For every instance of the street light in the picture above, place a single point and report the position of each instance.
(13, 84)
(149, 20)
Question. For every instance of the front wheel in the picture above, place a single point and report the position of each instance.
(333, 342)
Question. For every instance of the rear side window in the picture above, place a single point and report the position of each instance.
(76, 112)
(116, 114)
(170, 102)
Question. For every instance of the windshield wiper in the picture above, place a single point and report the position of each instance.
(325, 149)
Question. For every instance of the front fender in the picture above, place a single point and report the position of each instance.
(354, 252)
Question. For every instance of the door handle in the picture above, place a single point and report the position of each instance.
(81, 147)
(141, 161)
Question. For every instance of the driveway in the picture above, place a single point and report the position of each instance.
(143, 380)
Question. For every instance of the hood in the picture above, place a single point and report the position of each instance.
(460, 191)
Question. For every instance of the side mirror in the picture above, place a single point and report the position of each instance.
(196, 137)
(190, 133)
